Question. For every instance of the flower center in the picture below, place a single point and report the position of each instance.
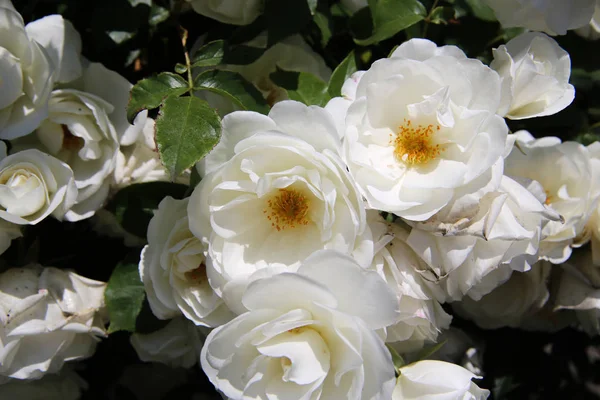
(288, 209)
(414, 145)
(549, 198)
(197, 275)
(70, 141)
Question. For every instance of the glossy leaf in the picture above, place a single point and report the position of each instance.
(124, 296)
(346, 68)
(149, 93)
(391, 17)
(187, 128)
(233, 86)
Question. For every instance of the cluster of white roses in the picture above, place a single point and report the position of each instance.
(319, 240)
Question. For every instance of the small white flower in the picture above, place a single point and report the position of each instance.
(34, 185)
(511, 303)
(235, 12)
(554, 17)
(419, 127)
(173, 269)
(178, 344)
(565, 172)
(27, 77)
(535, 74)
(290, 54)
(307, 335)
(48, 316)
(66, 385)
(421, 316)
(280, 175)
(592, 30)
(437, 380)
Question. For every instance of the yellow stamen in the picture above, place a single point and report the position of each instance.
(288, 209)
(197, 275)
(414, 145)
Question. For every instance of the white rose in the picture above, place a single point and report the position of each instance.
(511, 303)
(49, 316)
(592, 30)
(235, 12)
(34, 185)
(566, 174)
(27, 77)
(178, 344)
(554, 17)
(62, 44)
(421, 316)
(535, 74)
(593, 224)
(290, 54)
(307, 335)
(66, 385)
(173, 269)
(579, 290)
(280, 175)
(421, 127)
(84, 130)
(437, 380)
(477, 254)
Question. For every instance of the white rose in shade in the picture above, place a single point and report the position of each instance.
(592, 30)
(66, 385)
(479, 255)
(592, 227)
(27, 77)
(290, 54)
(566, 174)
(173, 269)
(307, 335)
(62, 44)
(554, 17)
(421, 316)
(84, 130)
(535, 73)
(511, 303)
(177, 345)
(421, 127)
(437, 380)
(235, 12)
(34, 185)
(579, 290)
(49, 316)
(280, 175)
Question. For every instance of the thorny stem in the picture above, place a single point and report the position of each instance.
(428, 18)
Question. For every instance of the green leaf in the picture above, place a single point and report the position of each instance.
(134, 205)
(441, 15)
(186, 130)
(503, 386)
(195, 179)
(180, 68)
(429, 351)
(158, 14)
(219, 52)
(210, 54)
(343, 71)
(312, 6)
(302, 86)
(324, 25)
(149, 93)
(285, 18)
(396, 359)
(124, 296)
(481, 10)
(233, 86)
(391, 17)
